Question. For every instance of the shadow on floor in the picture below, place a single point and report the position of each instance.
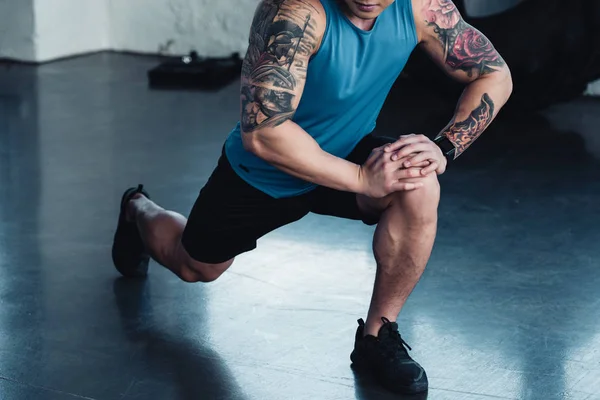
(367, 388)
(197, 372)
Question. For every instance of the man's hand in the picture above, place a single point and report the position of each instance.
(381, 176)
(414, 150)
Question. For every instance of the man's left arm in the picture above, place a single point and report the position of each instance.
(466, 55)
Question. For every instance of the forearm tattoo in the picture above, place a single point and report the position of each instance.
(282, 39)
(465, 48)
(463, 133)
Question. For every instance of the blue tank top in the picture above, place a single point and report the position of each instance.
(347, 82)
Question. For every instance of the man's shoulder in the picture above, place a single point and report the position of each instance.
(297, 17)
(440, 13)
(314, 8)
(316, 5)
(443, 13)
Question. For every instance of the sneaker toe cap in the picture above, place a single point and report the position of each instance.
(406, 377)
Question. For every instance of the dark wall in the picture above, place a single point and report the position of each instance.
(551, 46)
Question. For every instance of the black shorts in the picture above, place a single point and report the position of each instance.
(230, 215)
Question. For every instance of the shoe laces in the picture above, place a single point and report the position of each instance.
(394, 346)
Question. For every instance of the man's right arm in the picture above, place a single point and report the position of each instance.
(283, 37)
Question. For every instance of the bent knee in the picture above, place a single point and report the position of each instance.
(195, 275)
(429, 192)
(431, 184)
(420, 205)
(200, 272)
(192, 271)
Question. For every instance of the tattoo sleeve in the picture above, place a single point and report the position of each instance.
(283, 36)
(464, 47)
(467, 55)
(463, 133)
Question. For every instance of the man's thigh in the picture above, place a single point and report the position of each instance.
(230, 215)
(348, 205)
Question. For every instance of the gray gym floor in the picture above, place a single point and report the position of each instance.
(508, 307)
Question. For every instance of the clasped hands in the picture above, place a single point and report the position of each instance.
(402, 165)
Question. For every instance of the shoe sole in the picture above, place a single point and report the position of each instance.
(363, 368)
(141, 260)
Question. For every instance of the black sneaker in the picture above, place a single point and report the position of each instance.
(386, 357)
(128, 252)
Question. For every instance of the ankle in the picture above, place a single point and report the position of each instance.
(372, 327)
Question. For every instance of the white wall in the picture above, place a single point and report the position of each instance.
(17, 30)
(68, 27)
(211, 27)
(42, 30)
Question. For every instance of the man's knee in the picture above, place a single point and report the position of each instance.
(421, 204)
(194, 272)
(432, 186)
(430, 191)
(194, 275)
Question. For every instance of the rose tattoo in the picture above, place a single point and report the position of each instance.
(471, 50)
(465, 48)
(443, 13)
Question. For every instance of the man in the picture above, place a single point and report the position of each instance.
(314, 80)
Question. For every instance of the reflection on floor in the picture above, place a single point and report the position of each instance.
(508, 307)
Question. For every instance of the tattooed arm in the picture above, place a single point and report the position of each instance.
(468, 56)
(283, 37)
